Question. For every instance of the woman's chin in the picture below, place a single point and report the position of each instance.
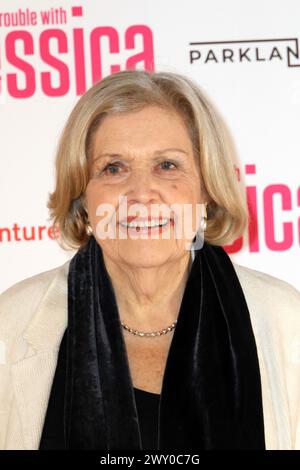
(148, 253)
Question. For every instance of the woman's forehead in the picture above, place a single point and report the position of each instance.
(141, 128)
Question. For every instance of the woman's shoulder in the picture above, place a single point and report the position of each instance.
(273, 303)
(259, 282)
(33, 285)
(20, 301)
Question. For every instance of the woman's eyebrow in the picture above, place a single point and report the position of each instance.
(157, 152)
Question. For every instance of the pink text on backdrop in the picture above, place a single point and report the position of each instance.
(270, 217)
(40, 46)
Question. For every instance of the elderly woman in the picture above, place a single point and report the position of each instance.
(150, 337)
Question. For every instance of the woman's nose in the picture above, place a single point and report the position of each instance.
(142, 187)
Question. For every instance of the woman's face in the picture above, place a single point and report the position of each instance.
(147, 158)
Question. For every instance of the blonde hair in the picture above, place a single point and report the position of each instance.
(227, 214)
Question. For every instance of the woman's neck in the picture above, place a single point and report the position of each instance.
(149, 298)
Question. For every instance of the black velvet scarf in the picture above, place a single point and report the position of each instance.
(211, 393)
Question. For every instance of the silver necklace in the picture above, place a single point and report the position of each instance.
(151, 333)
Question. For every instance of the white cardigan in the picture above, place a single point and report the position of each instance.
(33, 317)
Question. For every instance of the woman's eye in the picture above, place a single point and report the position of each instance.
(110, 166)
(166, 163)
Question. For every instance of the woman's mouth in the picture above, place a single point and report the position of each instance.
(146, 226)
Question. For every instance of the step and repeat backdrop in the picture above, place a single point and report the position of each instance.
(244, 55)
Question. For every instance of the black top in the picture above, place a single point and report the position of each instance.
(147, 407)
(52, 438)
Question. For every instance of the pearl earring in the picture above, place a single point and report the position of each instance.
(203, 224)
(89, 229)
